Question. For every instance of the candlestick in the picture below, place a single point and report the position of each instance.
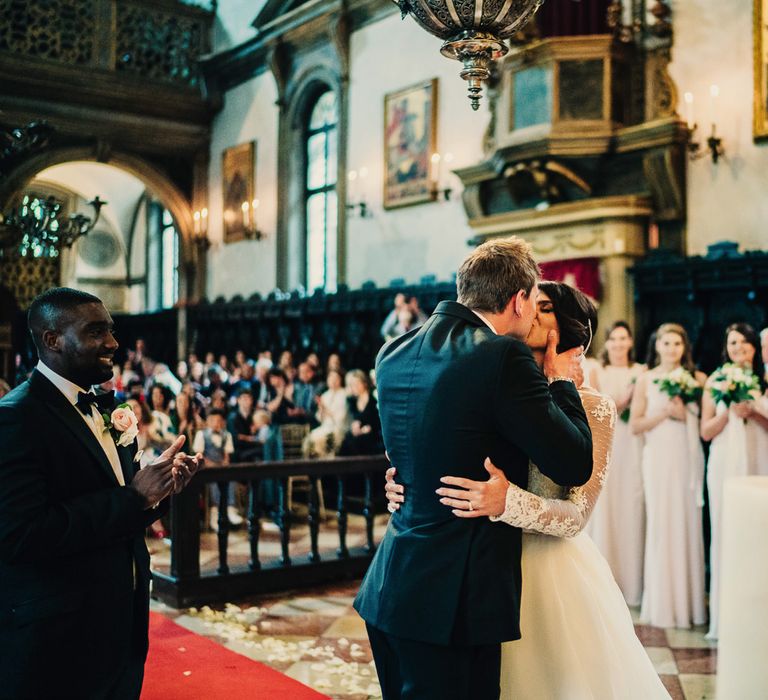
(689, 109)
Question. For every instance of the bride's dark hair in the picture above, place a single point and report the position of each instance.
(575, 312)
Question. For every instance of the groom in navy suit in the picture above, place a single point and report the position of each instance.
(74, 569)
(442, 592)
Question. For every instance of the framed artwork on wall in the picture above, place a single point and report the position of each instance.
(238, 189)
(410, 139)
(760, 48)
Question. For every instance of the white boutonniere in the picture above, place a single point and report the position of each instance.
(122, 425)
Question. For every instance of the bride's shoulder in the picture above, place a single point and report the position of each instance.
(600, 406)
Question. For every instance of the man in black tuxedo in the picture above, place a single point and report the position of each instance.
(74, 569)
(442, 592)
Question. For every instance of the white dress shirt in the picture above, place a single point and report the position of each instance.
(95, 422)
(485, 321)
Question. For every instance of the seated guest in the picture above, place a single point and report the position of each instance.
(161, 374)
(185, 416)
(364, 434)
(213, 382)
(239, 426)
(260, 426)
(280, 407)
(305, 394)
(162, 431)
(218, 401)
(216, 442)
(332, 413)
(390, 322)
(244, 378)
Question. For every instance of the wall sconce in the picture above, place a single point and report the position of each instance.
(250, 229)
(714, 144)
(437, 190)
(357, 202)
(200, 229)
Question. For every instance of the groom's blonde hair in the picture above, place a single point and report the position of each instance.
(494, 272)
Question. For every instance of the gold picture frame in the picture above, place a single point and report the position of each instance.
(410, 140)
(760, 49)
(238, 174)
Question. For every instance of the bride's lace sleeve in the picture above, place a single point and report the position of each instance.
(567, 517)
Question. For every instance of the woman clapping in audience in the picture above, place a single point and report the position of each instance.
(735, 418)
(665, 410)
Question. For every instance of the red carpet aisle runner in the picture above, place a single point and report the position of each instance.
(205, 670)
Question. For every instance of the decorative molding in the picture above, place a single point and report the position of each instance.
(544, 228)
(297, 27)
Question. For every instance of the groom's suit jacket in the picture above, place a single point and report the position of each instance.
(74, 569)
(452, 393)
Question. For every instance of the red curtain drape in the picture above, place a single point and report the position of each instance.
(582, 273)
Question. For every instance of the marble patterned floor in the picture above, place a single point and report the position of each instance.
(317, 638)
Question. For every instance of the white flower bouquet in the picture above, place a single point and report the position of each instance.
(680, 382)
(733, 384)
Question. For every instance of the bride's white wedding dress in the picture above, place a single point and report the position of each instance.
(578, 641)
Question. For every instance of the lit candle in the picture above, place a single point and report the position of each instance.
(435, 174)
(714, 93)
(254, 207)
(688, 97)
(204, 220)
(196, 217)
(245, 207)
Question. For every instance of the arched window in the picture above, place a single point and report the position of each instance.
(320, 197)
(162, 259)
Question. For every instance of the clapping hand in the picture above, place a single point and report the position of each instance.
(564, 364)
(184, 468)
(156, 481)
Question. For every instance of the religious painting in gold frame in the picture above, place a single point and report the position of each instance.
(760, 48)
(238, 189)
(410, 140)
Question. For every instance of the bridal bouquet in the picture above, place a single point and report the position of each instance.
(734, 384)
(680, 382)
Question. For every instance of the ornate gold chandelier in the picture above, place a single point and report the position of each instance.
(473, 31)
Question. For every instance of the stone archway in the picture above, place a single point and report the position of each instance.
(155, 179)
(192, 280)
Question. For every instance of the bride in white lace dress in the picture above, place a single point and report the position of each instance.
(578, 641)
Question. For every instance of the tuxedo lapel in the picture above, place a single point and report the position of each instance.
(58, 405)
(126, 463)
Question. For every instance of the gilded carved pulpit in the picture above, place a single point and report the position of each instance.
(585, 156)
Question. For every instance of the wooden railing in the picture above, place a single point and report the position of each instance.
(186, 585)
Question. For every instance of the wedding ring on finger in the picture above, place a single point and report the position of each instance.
(471, 507)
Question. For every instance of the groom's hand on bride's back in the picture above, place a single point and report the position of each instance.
(565, 364)
(472, 499)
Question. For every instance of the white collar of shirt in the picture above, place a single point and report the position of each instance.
(485, 321)
(66, 387)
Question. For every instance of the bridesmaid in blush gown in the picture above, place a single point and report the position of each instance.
(673, 476)
(617, 525)
(739, 435)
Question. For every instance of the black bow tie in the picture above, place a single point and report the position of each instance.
(103, 402)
